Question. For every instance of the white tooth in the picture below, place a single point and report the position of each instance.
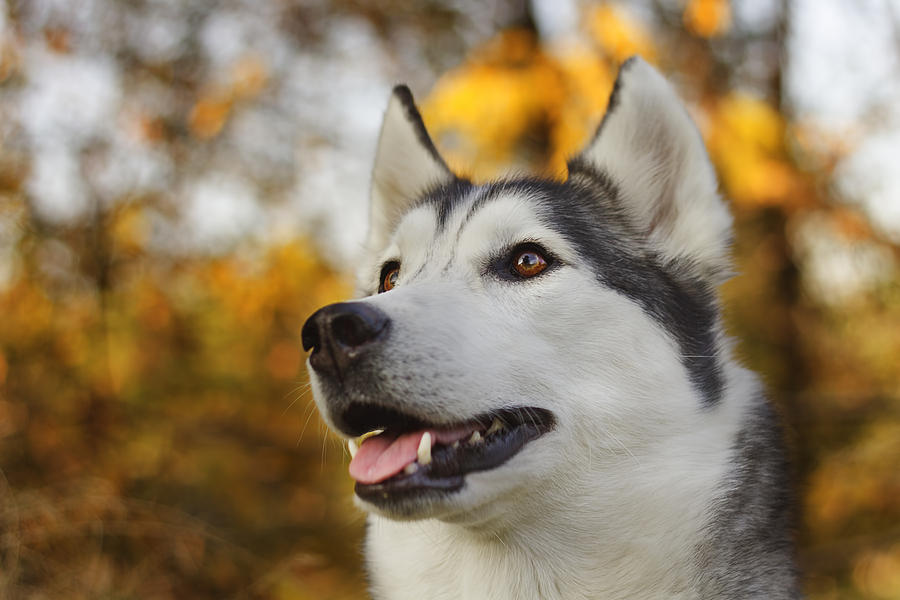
(495, 426)
(411, 468)
(351, 445)
(476, 437)
(455, 444)
(424, 451)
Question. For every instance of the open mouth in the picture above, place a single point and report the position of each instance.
(402, 456)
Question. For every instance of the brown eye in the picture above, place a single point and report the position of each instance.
(529, 263)
(389, 275)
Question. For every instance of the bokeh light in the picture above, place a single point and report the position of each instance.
(182, 183)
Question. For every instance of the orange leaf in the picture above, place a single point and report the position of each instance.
(208, 117)
(707, 18)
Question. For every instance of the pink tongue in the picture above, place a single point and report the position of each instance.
(381, 456)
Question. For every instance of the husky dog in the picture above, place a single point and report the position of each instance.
(535, 386)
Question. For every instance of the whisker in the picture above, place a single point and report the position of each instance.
(324, 447)
(311, 409)
(303, 384)
(294, 401)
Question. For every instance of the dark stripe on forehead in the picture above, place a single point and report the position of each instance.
(487, 194)
(447, 197)
(587, 212)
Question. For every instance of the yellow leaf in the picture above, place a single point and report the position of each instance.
(497, 112)
(746, 143)
(707, 18)
(618, 34)
(208, 116)
(130, 229)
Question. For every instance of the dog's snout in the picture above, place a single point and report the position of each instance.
(337, 333)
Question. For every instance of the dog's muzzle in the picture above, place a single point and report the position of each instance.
(339, 333)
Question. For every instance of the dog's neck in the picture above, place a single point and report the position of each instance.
(596, 542)
(694, 518)
(555, 556)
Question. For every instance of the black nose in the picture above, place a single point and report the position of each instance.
(337, 334)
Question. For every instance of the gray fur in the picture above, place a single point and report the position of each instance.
(749, 551)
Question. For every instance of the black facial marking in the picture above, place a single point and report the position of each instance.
(486, 195)
(585, 210)
(446, 197)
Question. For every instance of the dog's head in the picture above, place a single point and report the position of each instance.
(513, 335)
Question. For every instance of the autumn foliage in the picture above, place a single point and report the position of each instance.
(157, 439)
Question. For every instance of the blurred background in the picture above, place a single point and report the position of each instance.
(182, 183)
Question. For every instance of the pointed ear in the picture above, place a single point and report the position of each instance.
(407, 164)
(649, 146)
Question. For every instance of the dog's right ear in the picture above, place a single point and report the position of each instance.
(407, 164)
(650, 148)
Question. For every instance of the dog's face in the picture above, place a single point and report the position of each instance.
(514, 336)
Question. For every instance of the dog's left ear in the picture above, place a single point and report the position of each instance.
(650, 148)
(407, 165)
